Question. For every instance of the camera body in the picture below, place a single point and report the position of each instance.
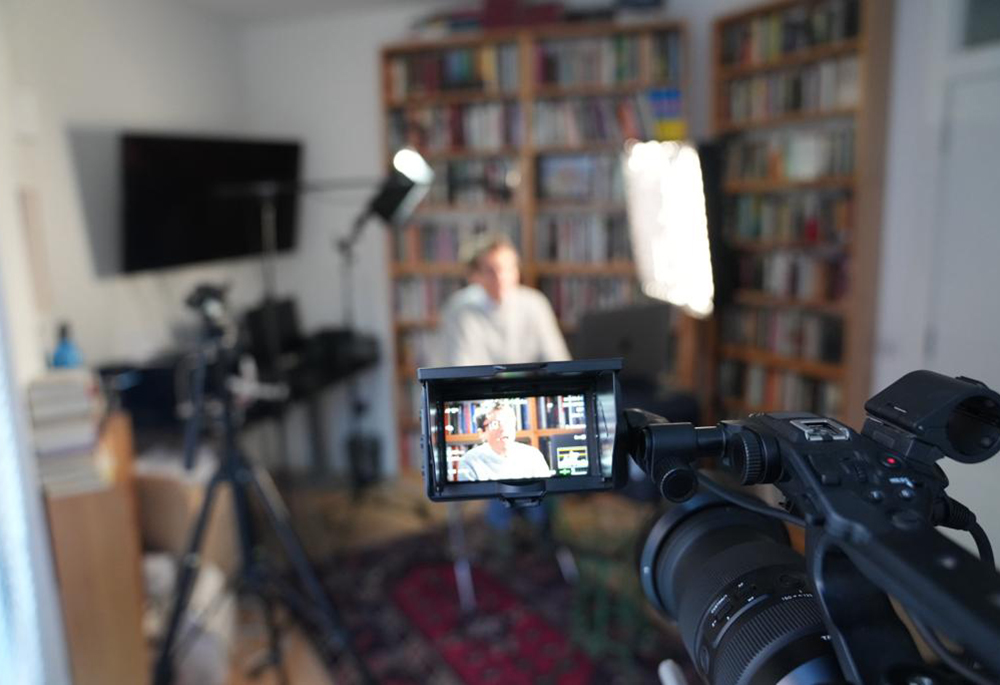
(869, 503)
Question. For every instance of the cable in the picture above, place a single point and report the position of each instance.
(954, 661)
(750, 503)
(951, 513)
(982, 543)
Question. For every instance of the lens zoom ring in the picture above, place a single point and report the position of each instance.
(755, 633)
(719, 571)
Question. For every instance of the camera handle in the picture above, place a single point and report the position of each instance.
(851, 554)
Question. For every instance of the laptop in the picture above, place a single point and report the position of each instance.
(641, 334)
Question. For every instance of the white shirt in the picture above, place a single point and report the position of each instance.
(475, 329)
(521, 461)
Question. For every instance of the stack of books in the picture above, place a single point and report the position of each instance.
(66, 409)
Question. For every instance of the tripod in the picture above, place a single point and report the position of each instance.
(306, 600)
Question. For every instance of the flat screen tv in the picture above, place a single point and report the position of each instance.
(188, 199)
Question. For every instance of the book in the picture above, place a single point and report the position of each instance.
(808, 217)
(574, 296)
(771, 389)
(824, 86)
(790, 333)
(766, 38)
(593, 178)
(439, 240)
(656, 114)
(419, 298)
(582, 237)
(487, 68)
(604, 60)
(665, 65)
(67, 435)
(448, 128)
(804, 153)
(482, 182)
(795, 275)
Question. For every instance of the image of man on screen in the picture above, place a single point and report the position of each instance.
(499, 456)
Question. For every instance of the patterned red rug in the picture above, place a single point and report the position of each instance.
(400, 604)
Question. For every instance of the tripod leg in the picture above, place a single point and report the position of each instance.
(460, 554)
(189, 565)
(274, 641)
(273, 657)
(334, 636)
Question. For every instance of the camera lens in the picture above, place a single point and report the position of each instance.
(739, 594)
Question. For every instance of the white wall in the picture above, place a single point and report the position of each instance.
(113, 64)
(921, 233)
(317, 79)
(908, 207)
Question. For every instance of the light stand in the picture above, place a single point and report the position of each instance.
(400, 193)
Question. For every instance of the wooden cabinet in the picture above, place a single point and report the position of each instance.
(95, 542)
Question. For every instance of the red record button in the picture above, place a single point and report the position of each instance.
(891, 462)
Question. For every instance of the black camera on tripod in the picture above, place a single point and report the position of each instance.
(749, 607)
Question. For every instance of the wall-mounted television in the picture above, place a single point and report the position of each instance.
(191, 199)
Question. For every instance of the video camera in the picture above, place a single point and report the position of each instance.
(751, 609)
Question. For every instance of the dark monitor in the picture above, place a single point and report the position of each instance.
(183, 198)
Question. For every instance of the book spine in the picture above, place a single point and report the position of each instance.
(766, 38)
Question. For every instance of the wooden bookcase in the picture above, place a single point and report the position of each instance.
(642, 71)
(800, 90)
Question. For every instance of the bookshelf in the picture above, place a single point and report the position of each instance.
(800, 101)
(550, 106)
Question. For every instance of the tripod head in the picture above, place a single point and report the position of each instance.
(209, 300)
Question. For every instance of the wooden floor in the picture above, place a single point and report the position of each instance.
(328, 521)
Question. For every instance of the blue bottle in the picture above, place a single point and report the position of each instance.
(67, 354)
